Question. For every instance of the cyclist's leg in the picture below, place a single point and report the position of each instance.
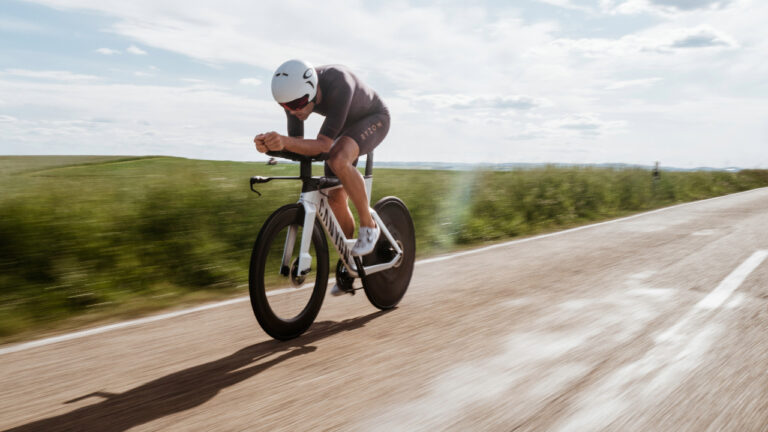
(358, 139)
(337, 198)
(342, 160)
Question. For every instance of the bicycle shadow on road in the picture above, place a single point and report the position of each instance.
(188, 388)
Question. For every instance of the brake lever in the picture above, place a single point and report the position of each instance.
(258, 179)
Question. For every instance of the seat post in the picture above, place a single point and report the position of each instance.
(305, 170)
(369, 165)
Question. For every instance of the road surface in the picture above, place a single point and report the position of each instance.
(653, 322)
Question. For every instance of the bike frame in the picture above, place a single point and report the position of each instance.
(314, 200)
(316, 205)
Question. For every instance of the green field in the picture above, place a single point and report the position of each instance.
(86, 239)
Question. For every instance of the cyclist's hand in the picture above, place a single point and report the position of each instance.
(274, 141)
(260, 146)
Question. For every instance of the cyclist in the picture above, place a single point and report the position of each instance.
(356, 121)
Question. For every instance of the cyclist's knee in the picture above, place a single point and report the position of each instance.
(337, 198)
(343, 153)
(338, 162)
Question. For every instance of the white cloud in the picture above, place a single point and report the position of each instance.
(133, 49)
(631, 7)
(250, 81)
(468, 102)
(643, 82)
(690, 4)
(569, 4)
(408, 42)
(662, 7)
(56, 75)
(702, 37)
(587, 124)
(657, 40)
(496, 72)
(131, 119)
(576, 126)
(107, 51)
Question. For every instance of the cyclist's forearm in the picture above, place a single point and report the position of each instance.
(309, 147)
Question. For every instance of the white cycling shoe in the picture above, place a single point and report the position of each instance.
(366, 240)
(336, 291)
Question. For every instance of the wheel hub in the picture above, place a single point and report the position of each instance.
(386, 253)
(400, 258)
(297, 280)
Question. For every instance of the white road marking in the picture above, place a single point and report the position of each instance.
(647, 379)
(733, 281)
(110, 327)
(131, 323)
(675, 353)
(706, 232)
(543, 354)
(482, 380)
(737, 300)
(719, 295)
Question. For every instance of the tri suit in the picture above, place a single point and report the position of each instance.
(351, 109)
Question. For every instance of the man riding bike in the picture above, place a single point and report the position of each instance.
(356, 121)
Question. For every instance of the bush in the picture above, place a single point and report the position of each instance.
(117, 237)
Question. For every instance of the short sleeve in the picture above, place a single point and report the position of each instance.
(341, 96)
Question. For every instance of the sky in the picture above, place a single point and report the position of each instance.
(683, 82)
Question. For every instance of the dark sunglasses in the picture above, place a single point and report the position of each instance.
(296, 104)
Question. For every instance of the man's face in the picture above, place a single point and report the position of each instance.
(303, 113)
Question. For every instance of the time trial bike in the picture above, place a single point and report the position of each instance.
(289, 266)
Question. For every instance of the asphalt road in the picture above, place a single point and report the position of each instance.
(656, 322)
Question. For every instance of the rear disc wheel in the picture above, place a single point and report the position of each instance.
(386, 288)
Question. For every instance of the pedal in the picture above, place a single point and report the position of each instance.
(347, 289)
(343, 281)
(342, 290)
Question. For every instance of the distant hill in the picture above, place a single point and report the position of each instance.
(10, 163)
(459, 166)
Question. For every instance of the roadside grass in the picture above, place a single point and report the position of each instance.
(86, 239)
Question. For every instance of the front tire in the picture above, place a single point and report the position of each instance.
(284, 302)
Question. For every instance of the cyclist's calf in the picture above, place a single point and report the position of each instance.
(337, 199)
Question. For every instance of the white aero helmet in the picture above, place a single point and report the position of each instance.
(293, 80)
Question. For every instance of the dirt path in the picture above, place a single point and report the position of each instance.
(657, 322)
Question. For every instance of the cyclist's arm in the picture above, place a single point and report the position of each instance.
(296, 143)
(308, 147)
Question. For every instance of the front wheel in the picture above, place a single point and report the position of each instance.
(385, 289)
(284, 300)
